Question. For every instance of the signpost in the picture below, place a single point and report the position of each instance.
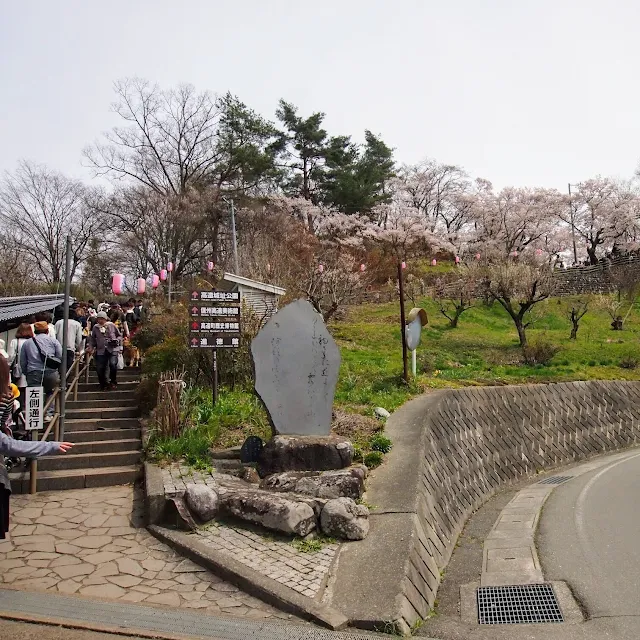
(214, 324)
(34, 422)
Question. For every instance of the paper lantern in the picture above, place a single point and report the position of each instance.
(155, 280)
(117, 283)
(142, 285)
(403, 265)
(169, 267)
(434, 262)
(457, 259)
(320, 268)
(363, 268)
(209, 266)
(163, 275)
(538, 252)
(477, 256)
(514, 254)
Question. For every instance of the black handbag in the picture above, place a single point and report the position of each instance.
(50, 362)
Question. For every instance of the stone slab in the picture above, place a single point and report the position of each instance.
(296, 364)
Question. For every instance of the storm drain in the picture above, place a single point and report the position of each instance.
(519, 604)
(555, 480)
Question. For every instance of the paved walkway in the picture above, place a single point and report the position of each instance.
(91, 542)
(270, 554)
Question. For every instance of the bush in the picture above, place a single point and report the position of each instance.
(381, 443)
(373, 459)
(540, 353)
(629, 362)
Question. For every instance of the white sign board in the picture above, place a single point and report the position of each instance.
(34, 406)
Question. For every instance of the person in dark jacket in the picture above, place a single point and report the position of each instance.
(105, 341)
(17, 448)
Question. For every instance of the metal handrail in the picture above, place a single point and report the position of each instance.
(54, 424)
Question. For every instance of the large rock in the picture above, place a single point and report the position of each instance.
(296, 364)
(347, 483)
(202, 500)
(343, 518)
(272, 511)
(304, 453)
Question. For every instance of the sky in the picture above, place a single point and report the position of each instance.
(536, 93)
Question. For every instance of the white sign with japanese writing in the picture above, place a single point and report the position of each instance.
(34, 406)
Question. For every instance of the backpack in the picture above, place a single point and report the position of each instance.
(16, 369)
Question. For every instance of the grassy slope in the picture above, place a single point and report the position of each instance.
(483, 350)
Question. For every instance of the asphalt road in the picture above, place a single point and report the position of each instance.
(589, 536)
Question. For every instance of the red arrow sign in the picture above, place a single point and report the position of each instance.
(194, 326)
(195, 295)
(194, 341)
(194, 311)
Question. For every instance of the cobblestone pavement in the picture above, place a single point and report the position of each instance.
(91, 542)
(306, 573)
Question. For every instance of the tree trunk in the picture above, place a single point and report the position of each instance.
(574, 330)
(593, 258)
(522, 333)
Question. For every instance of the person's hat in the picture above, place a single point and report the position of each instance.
(41, 327)
(102, 314)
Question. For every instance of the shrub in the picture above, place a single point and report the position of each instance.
(540, 353)
(629, 362)
(373, 459)
(381, 443)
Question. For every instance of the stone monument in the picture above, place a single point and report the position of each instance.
(296, 364)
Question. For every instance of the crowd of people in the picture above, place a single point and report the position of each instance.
(103, 330)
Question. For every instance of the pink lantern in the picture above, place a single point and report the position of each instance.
(403, 265)
(142, 285)
(514, 254)
(155, 280)
(478, 256)
(434, 262)
(209, 266)
(457, 259)
(363, 268)
(117, 283)
(538, 252)
(320, 268)
(169, 267)
(163, 275)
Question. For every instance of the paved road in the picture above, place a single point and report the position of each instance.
(589, 536)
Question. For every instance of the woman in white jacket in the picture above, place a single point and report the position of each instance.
(23, 334)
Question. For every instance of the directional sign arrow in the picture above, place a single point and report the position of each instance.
(195, 325)
(194, 342)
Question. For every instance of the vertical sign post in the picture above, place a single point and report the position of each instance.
(34, 422)
(214, 324)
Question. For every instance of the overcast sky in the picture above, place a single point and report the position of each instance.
(523, 93)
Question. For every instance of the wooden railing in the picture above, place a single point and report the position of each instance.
(81, 366)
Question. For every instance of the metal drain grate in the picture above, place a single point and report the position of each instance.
(555, 480)
(519, 604)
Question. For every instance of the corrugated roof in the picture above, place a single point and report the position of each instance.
(253, 284)
(21, 306)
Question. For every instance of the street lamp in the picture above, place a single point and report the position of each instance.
(233, 236)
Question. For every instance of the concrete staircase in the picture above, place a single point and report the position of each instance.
(105, 428)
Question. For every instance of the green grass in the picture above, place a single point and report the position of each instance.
(482, 350)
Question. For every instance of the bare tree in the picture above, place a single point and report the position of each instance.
(454, 296)
(575, 309)
(518, 287)
(41, 207)
(178, 139)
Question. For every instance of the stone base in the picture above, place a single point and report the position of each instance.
(339, 483)
(304, 453)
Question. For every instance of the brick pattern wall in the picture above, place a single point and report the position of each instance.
(599, 278)
(478, 439)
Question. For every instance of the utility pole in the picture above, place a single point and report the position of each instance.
(65, 339)
(403, 324)
(573, 231)
(170, 272)
(234, 239)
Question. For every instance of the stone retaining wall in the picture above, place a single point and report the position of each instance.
(452, 451)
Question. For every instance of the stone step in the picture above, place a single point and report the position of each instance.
(92, 386)
(115, 397)
(105, 403)
(102, 413)
(105, 423)
(89, 460)
(76, 478)
(124, 375)
(106, 446)
(102, 435)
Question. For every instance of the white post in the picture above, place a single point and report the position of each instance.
(414, 363)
